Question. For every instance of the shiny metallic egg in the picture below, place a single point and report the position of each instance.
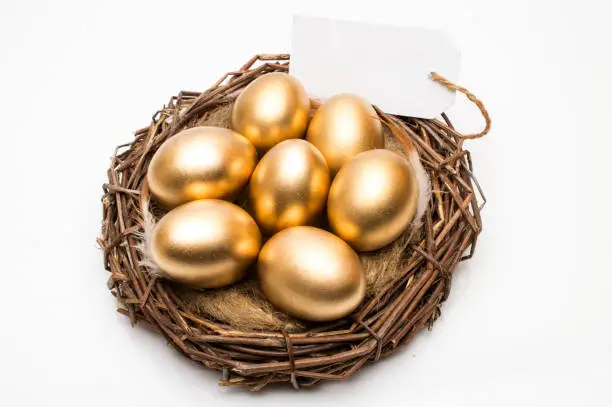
(289, 186)
(343, 127)
(206, 243)
(272, 108)
(200, 163)
(373, 199)
(311, 274)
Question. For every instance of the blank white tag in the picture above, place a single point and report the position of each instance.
(389, 66)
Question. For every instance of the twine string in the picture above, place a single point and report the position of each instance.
(453, 87)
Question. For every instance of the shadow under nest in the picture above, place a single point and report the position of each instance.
(236, 330)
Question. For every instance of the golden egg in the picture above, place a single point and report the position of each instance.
(272, 108)
(289, 186)
(199, 163)
(311, 274)
(206, 244)
(373, 199)
(343, 127)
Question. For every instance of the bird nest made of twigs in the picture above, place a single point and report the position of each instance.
(236, 330)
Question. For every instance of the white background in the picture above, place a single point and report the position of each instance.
(528, 321)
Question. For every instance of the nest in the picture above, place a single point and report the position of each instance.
(236, 330)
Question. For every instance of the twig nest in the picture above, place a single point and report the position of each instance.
(236, 330)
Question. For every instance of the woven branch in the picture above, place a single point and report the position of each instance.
(332, 351)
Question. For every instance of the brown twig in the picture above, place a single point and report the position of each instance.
(451, 86)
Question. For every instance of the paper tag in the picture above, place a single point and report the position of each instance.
(389, 66)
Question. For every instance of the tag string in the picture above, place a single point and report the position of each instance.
(451, 86)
